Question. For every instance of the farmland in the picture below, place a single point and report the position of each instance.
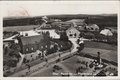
(19, 28)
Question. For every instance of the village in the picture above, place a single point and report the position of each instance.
(52, 46)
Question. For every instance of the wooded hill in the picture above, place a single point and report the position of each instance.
(102, 20)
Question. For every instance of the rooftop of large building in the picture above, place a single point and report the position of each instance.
(31, 39)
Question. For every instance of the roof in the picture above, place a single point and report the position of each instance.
(63, 25)
(52, 32)
(29, 33)
(113, 29)
(106, 32)
(31, 39)
(93, 25)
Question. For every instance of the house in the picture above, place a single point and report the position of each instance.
(61, 25)
(92, 27)
(30, 44)
(106, 32)
(52, 32)
(72, 32)
(29, 33)
(80, 28)
(112, 29)
(78, 23)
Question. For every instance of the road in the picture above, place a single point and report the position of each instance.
(21, 61)
(51, 60)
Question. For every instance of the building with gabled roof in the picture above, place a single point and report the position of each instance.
(30, 44)
(72, 32)
(62, 25)
(92, 27)
(106, 32)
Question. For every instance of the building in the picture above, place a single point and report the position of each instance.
(112, 29)
(78, 23)
(72, 32)
(29, 33)
(92, 27)
(106, 32)
(52, 33)
(61, 25)
(30, 44)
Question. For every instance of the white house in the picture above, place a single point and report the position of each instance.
(53, 34)
(106, 32)
(72, 32)
(29, 33)
(92, 27)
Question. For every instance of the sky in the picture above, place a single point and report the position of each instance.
(38, 8)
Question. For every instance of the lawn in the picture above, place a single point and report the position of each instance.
(19, 28)
(105, 54)
(100, 45)
(108, 52)
(72, 64)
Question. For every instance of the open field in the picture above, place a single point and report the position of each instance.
(19, 28)
(108, 52)
(100, 45)
(109, 55)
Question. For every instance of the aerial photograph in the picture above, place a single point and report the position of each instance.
(60, 39)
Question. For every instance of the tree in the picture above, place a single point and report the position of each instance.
(81, 47)
(64, 36)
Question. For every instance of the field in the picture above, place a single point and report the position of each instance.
(105, 54)
(19, 28)
(100, 45)
(108, 52)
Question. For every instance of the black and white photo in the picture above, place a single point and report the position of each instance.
(60, 39)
